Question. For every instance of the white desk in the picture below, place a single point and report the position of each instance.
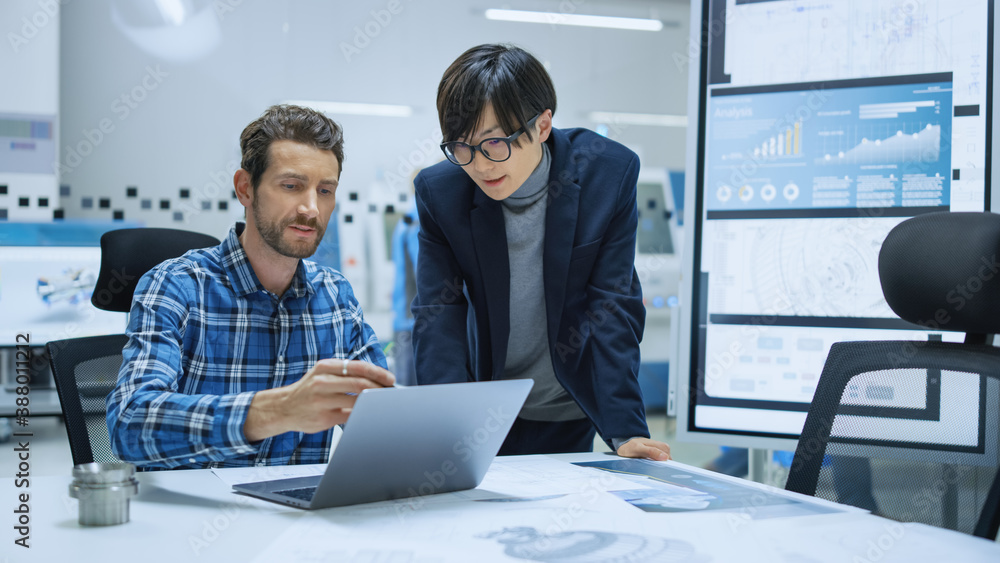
(192, 515)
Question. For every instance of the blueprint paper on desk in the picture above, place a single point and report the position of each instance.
(671, 488)
(529, 477)
(575, 519)
(593, 527)
(314, 539)
(868, 538)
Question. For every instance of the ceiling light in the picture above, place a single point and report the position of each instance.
(172, 11)
(556, 18)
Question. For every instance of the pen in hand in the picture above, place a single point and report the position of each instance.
(369, 368)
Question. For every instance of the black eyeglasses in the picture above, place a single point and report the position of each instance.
(496, 149)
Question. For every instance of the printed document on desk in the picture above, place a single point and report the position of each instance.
(578, 518)
(530, 476)
(671, 487)
(867, 538)
(590, 526)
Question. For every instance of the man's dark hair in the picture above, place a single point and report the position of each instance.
(288, 123)
(508, 77)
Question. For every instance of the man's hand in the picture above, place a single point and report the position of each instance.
(323, 398)
(645, 448)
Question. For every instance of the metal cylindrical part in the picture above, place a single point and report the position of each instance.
(104, 490)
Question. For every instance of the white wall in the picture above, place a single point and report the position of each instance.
(189, 110)
(29, 67)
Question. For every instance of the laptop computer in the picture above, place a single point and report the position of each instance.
(408, 441)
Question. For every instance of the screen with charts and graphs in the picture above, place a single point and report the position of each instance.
(822, 125)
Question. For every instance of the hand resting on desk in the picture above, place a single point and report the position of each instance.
(645, 448)
(321, 399)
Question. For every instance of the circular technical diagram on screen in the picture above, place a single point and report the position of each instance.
(820, 267)
(724, 193)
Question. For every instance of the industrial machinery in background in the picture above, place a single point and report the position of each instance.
(658, 263)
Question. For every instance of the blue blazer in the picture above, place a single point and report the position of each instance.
(593, 299)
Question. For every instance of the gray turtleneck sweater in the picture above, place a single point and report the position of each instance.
(528, 346)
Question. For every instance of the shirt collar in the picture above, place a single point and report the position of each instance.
(241, 274)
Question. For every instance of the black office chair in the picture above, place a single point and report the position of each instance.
(86, 369)
(911, 429)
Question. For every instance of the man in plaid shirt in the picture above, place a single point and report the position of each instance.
(245, 353)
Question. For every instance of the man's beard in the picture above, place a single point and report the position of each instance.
(272, 232)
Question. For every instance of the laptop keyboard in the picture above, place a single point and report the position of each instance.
(302, 493)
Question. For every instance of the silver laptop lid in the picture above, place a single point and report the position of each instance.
(412, 441)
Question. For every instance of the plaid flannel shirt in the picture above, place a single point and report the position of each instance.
(204, 337)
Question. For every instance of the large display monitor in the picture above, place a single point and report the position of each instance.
(820, 126)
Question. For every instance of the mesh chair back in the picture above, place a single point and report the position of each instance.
(908, 430)
(85, 371)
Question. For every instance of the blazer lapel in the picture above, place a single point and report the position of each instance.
(490, 239)
(560, 230)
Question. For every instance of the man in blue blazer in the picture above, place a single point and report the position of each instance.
(526, 265)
